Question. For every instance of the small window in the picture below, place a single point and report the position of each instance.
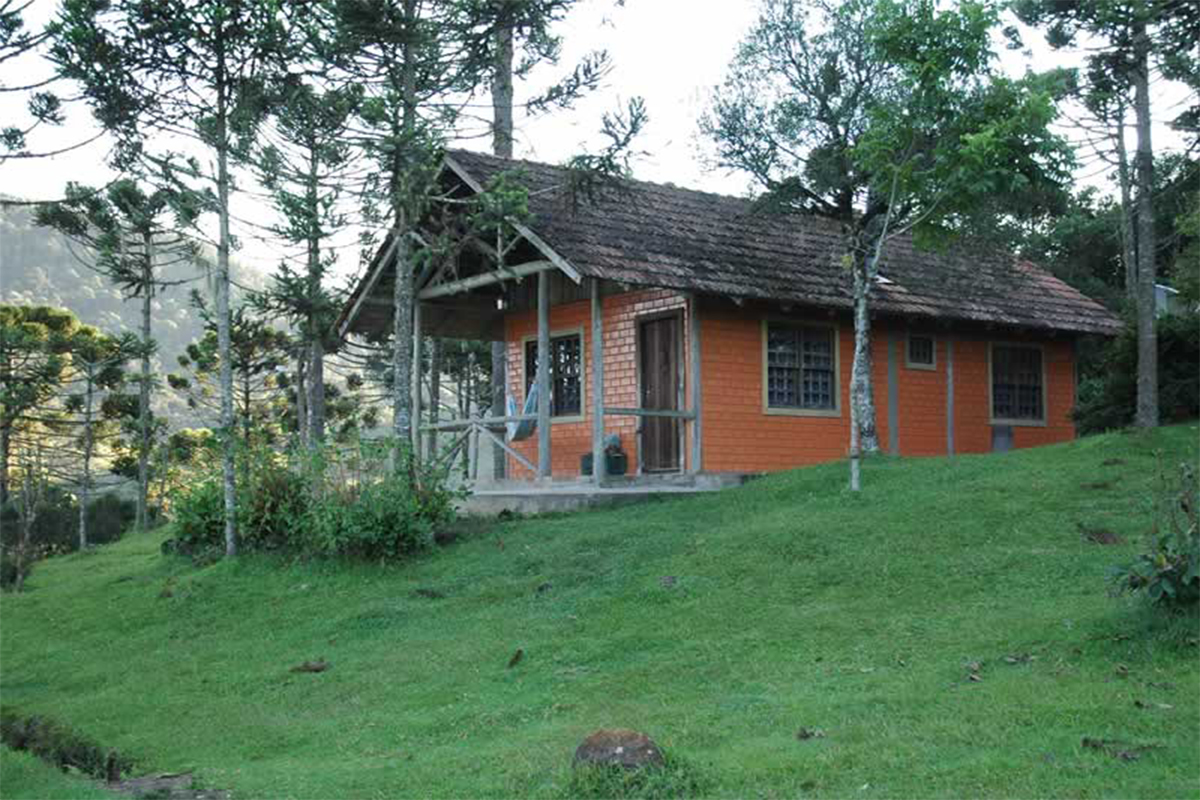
(566, 373)
(1017, 387)
(801, 368)
(922, 352)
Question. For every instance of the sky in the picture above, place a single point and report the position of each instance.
(672, 53)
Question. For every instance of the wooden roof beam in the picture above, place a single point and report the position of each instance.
(486, 279)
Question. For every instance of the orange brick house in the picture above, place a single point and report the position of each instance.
(712, 337)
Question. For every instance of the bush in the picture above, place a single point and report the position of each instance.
(306, 508)
(108, 516)
(9, 569)
(1108, 398)
(56, 524)
(1169, 571)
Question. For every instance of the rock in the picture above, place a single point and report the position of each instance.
(619, 747)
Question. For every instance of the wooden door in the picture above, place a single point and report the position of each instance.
(658, 362)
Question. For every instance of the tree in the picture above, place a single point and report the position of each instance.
(34, 348)
(888, 117)
(97, 367)
(305, 171)
(407, 55)
(1135, 34)
(259, 355)
(132, 236)
(193, 68)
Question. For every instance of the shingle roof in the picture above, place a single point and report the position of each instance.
(658, 235)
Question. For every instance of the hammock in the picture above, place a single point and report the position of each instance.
(518, 431)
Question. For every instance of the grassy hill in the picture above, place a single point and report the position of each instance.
(791, 605)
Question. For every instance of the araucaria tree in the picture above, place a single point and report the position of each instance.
(131, 236)
(1128, 40)
(888, 116)
(97, 372)
(198, 69)
(305, 166)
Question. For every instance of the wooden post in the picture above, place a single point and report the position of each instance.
(416, 380)
(543, 376)
(599, 465)
(694, 357)
(893, 396)
(950, 395)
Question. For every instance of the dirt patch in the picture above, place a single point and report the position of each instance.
(1098, 486)
(1097, 535)
(1112, 462)
(168, 786)
(1125, 751)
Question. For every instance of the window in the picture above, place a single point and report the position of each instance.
(801, 368)
(566, 373)
(1017, 386)
(922, 353)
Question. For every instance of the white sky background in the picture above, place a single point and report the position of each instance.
(670, 52)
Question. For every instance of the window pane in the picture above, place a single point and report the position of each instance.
(566, 378)
(800, 367)
(818, 368)
(920, 350)
(1017, 383)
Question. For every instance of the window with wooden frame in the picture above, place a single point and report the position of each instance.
(566, 373)
(801, 365)
(1018, 383)
(921, 352)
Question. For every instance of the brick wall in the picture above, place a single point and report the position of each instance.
(738, 435)
(571, 439)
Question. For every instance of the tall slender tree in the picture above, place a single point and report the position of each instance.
(1133, 38)
(132, 236)
(199, 69)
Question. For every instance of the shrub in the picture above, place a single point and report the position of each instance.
(108, 516)
(1108, 398)
(1169, 571)
(308, 507)
(9, 569)
(199, 514)
(55, 526)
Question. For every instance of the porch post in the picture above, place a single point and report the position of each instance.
(949, 395)
(599, 467)
(893, 417)
(694, 358)
(543, 376)
(415, 388)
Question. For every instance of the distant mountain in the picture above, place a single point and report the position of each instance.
(38, 267)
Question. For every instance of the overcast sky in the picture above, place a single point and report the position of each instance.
(670, 52)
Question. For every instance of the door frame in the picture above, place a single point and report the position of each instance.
(681, 393)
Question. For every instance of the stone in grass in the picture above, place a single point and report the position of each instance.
(618, 747)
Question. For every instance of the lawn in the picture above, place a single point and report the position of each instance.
(949, 633)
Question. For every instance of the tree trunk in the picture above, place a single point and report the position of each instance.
(5, 455)
(862, 389)
(402, 333)
(302, 428)
(1128, 240)
(316, 392)
(223, 324)
(316, 332)
(144, 437)
(85, 484)
(1147, 378)
(502, 145)
(403, 294)
(435, 390)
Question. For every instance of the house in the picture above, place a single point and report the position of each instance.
(712, 337)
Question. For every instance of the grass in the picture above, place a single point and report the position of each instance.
(794, 604)
(26, 777)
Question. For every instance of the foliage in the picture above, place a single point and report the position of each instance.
(1168, 571)
(58, 744)
(55, 526)
(11, 568)
(317, 503)
(1108, 398)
